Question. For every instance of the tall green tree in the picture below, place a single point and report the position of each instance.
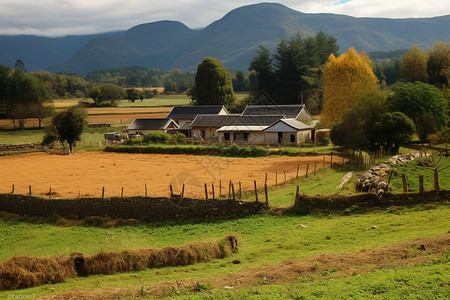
(107, 92)
(262, 65)
(69, 124)
(417, 99)
(213, 84)
(394, 130)
(293, 73)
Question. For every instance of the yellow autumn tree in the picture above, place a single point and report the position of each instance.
(413, 65)
(346, 76)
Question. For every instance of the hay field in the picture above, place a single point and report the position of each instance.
(87, 173)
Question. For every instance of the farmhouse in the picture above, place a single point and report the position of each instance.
(257, 125)
(144, 126)
(183, 114)
(205, 127)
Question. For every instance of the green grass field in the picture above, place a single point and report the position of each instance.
(412, 171)
(263, 240)
(426, 281)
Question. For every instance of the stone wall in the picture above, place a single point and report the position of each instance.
(21, 148)
(140, 208)
(371, 181)
(341, 202)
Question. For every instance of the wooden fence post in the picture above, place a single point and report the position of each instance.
(121, 194)
(171, 191)
(256, 191)
(103, 192)
(307, 168)
(298, 167)
(240, 191)
(182, 191)
(213, 196)
(29, 188)
(229, 189)
(405, 184)
(12, 192)
(232, 189)
(265, 181)
(421, 190)
(296, 193)
(50, 194)
(267, 194)
(145, 190)
(206, 191)
(276, 178)
(220, 187)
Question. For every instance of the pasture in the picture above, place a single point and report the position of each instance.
(264, 240)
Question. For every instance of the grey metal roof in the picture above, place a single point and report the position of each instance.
(186, 126)
(150, 124)
(190, 112)
(293, 123)
(233, 120)
(290, 111)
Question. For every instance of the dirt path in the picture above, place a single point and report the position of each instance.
(87, 173)
(348, 264)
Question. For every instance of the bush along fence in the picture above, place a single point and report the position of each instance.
(24, 271)
(147, 209)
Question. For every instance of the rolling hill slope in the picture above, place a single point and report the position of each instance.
(234, 39)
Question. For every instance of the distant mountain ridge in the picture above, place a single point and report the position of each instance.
(233, 40)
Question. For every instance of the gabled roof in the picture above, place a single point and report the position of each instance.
(151, 124)
(291, 123)
(190, 112)
(290, 111)
(186, 126)
(233, 120)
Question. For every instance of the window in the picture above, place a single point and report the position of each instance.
(245, 136)
(226, 136)
(234, 136)
(292, 138)
(203, 133)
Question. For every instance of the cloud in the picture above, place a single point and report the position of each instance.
(64, 17)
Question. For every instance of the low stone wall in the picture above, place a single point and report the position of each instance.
(371, 181)
(140, 208)
(21, 148)
(341, 202)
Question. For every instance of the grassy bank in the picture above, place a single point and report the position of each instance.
(263, 240)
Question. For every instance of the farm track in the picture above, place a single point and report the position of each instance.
(347, 264)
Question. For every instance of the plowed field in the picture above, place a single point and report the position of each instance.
(85, 174)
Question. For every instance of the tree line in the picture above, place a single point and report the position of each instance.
(365, 115)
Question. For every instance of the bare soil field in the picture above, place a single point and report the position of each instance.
(85, 174)
(127, 110)
(120, 117)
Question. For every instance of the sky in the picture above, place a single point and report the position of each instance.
(75, 17)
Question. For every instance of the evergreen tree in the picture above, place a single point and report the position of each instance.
(213, 84)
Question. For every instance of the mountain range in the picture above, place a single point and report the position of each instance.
(234, 40)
